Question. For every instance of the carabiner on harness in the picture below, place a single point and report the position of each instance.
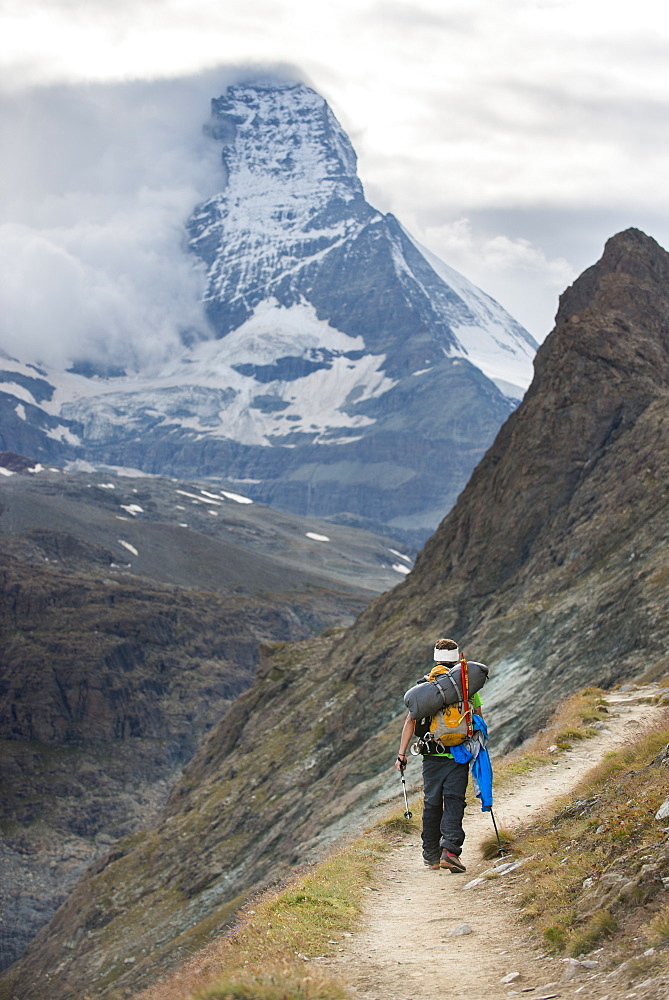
(430, 746)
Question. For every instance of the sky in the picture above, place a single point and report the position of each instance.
(511, 137)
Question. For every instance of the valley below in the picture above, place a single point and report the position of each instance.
(132, 614)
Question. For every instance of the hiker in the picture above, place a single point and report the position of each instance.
(444, 779)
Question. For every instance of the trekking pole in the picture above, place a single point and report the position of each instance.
(501, 852)
(407, 812)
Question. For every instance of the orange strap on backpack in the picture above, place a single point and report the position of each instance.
(464, 675)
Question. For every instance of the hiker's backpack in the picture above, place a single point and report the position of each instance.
(450, 721)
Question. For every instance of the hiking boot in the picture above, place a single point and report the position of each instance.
(451, 862)
(432, 865)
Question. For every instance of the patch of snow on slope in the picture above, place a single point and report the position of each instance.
(237, 497)
(316, 537)
(200, 499)
(63, 434)
(511, 371)
(401, 555)
(132, 508)
(18, 391)
(273, 332)
(220, 401)
(128, 546)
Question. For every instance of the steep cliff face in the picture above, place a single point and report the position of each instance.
(551, 568)
(106, 689)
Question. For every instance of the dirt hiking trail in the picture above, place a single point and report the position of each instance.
(412, 942)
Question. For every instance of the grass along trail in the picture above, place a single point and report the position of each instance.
(427, 932)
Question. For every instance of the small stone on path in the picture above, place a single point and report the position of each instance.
(510, 978)
(459, 930)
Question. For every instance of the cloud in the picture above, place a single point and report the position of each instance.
(513, 270)
(539, 121)
(96, 186)
(388, 15)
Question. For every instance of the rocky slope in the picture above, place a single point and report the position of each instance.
(551, 567)
(125, 633)
(185, 533)
(341, 357)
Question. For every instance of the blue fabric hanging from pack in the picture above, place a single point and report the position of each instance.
(461, 754)
(482, 775)
(475, 753)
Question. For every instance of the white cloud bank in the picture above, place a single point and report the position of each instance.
(542, 123)
(513, 270)
(96, 186)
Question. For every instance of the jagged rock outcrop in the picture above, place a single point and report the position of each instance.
(552, 559)
(551, 568)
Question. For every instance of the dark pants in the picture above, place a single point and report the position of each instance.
(444, 788)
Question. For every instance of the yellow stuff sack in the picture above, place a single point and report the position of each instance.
(450, 725)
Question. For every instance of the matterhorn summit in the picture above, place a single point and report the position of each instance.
(292, 226)
(347, 373)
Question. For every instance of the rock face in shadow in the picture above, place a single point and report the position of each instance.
(552, 557)
(105, 692)
(551, 568)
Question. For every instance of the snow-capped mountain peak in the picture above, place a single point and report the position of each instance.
(298, 157)
(350, 372)
(291, 195)
(292, 219)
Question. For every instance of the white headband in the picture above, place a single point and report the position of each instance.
(446, 655)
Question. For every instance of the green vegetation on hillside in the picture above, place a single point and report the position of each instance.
(575, 719)
(600, 863)
(263, 956)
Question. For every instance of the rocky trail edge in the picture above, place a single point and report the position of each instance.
(461, 935)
